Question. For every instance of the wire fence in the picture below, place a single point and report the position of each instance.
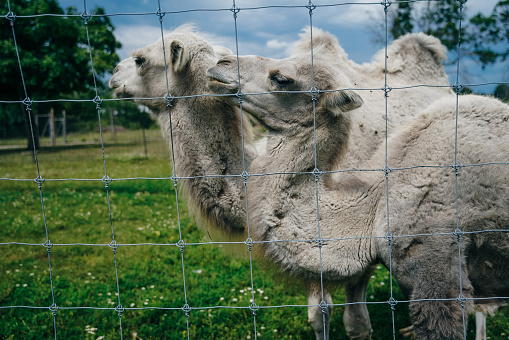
(237, 12)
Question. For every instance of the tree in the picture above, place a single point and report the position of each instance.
(53, 52)
(485, 39)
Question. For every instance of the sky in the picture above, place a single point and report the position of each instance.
(272, 32)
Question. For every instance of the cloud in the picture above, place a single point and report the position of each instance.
(133, 37)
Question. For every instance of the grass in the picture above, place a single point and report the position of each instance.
(143, 211)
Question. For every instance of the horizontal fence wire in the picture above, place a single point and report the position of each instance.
(237, 13)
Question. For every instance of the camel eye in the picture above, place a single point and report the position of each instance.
(280, 80)
(139, 61)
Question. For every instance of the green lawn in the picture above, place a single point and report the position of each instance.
(143, 211)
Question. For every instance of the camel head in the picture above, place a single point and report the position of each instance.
(145, 74)
(279, 93)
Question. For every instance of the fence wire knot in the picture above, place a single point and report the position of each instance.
(240, 95)
(245, 176)
(386, 90)
(53, 308)
(254, 307)
(458, 233)
(39, 180)
(85, 16)
(249, 243)
(169, 99)
(462, 299)
(119, 309)
(113, 245)
(98, 101)
(324, 306)
(235, 10)
(48, 245)
(181, 244)
(458, 87)
(387, 170)
(317, 173)
(386, 4)
(311, 7)
(320, 242)
(186, 309)
(27, 102)
(106, 180)
(457, 167)
(175, 178)
(314, 93)
(160, 14)
(392, 302)
(11, 17)
(389, 237)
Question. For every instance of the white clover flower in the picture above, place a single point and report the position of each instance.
(132, 304)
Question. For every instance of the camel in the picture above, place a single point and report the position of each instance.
(206, 131)
(352, 233)
(414, 59)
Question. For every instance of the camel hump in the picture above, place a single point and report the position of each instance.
(324, 43)
(417, 54)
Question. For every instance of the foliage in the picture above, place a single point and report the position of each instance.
(54, 54)
(53, 50)
(485, 39)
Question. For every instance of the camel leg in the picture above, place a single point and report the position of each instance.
(480, 326)
(356, 317)
(319, 320)
(439, 319)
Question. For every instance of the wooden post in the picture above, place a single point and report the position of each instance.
(64, 126)
(112, 126)
(52, 126)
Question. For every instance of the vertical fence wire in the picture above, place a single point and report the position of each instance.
(461, 298)
(245, 175)
(39, 180)
(106, 179)
(175, 178)
(316, 172)
(389, 237)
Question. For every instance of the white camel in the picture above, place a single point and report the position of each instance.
(353, 231)
(206, 131)
(412, 60)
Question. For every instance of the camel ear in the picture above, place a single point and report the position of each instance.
(342, 101)
(178, 55)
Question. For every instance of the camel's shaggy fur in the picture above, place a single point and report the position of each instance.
(414, 59)
(206, 131)
(352, 232)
